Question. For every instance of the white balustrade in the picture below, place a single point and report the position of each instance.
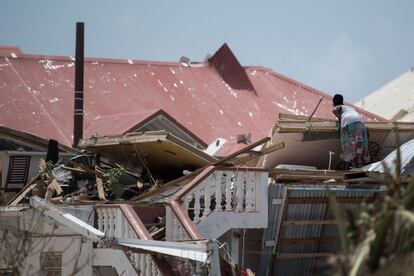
(235, 187)
(224, 192)
(113, 223)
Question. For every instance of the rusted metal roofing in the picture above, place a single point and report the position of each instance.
(36, 96)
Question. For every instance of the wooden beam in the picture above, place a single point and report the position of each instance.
(308, 222)
(23, 192)
(264, 151)
(298, 178)
(308, 241)
(284, 256)
(323, 200)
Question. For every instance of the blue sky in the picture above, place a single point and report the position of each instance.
(350, 47)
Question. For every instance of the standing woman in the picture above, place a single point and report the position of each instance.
(354, 139)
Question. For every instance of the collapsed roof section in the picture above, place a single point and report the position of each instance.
(217, 98)
(11, 139)
(316, 142)
(161, 151)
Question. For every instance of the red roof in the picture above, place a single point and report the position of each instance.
(217, 98)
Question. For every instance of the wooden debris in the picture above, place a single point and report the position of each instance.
(56, 186)
(187, 178)
(99, 188)
(255, 155)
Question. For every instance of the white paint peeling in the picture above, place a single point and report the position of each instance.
(172, 98)
(181, 82)
(253, 72)
(165, 89)
(130, 61)
(13, 55)
(175, 85)
(70, 64)
(72, 58)
(34, 113)
(160, 83)
(172, 71)
(221, 111)
(135, 75)
(251, 114)
(240, 124)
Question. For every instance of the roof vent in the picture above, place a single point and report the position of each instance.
(244, 138)
(184, 61)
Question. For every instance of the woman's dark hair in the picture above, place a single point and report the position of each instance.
(338, 99)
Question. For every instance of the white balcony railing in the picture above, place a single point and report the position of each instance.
(115, 222)
(222, 199)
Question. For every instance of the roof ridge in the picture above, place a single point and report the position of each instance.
(93, 59)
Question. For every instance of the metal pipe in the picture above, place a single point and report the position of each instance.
(78, 104)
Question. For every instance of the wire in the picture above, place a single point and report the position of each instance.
(140, 154)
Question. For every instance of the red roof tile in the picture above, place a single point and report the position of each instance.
(218, 98)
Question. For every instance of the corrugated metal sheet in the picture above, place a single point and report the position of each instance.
(275, 192)
(315, 211)
(36, 95)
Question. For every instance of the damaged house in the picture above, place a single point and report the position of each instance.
(185, 168)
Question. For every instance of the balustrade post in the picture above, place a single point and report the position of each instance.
(154, 268)
(228, 192)
(148, 263)
(118, 223)
(105, 221)
(137, 260)
(218, 182)
(197, 205)
(250, 194)
(143, 261)
(111, 222)
(239, 192)
(100, 222)
(176, 228)
(207, 198)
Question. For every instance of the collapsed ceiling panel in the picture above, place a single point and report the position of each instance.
(316, 142)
